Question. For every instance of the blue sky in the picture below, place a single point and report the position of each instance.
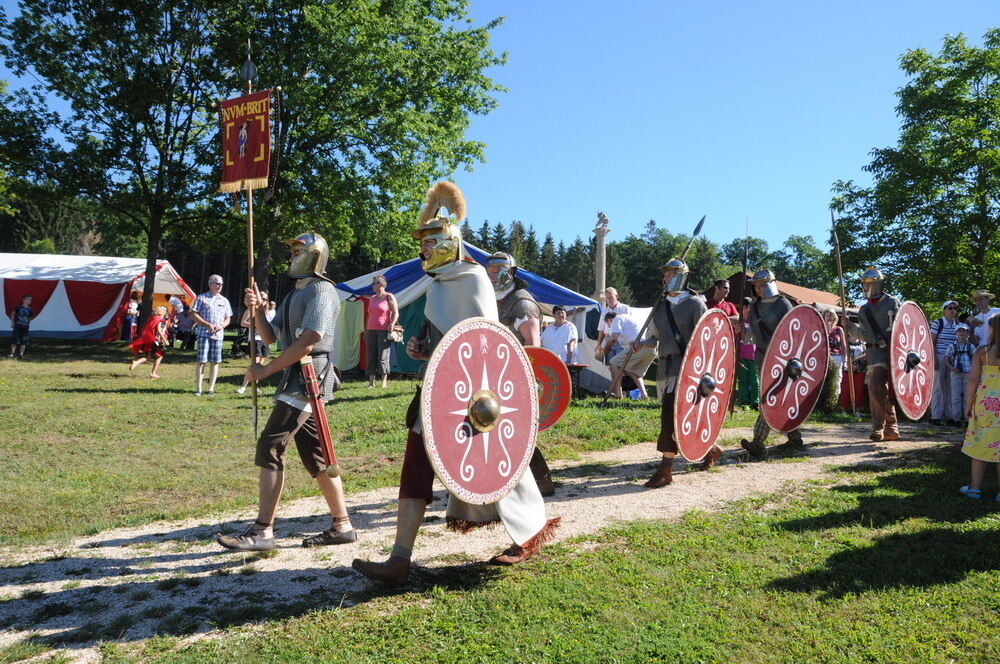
(671, 110)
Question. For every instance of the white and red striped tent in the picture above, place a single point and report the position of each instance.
(78, 297)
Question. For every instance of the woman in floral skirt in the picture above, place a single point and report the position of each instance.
(982, 407)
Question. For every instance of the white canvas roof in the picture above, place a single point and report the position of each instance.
(75, 296)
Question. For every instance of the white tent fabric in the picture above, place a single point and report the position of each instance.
(57, 316)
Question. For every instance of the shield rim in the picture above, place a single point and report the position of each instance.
(425, 408)
(678, 403)
(566, 378)
(931, 359)
(767, 360)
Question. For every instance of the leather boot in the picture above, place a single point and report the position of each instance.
(757, 450)
(393, 572)
(711, 458)
(662, 476)
(513, 555)
(540, 471)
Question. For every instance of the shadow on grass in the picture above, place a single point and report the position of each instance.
(927, 558)
(925, 489)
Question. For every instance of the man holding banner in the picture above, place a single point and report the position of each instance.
(303, 325)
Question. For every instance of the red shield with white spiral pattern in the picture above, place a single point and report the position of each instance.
(479, 410)
(794, 369)
(704, 385)
(911, 356)
(554, 385)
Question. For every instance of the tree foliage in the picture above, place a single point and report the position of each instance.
(930, 219)
(140, 78)
(377, 98)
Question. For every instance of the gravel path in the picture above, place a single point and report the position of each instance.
(132, 583)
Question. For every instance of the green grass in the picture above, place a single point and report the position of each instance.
(889, 565)
(90, 446)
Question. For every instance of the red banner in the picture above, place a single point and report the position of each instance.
(246, 142)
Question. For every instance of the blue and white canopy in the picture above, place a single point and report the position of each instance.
(407, 281)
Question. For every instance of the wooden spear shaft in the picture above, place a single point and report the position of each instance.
(251, 284)
(843, 303)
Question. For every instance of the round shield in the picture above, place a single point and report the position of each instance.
(704, 385)
(479, 409)
(911, 356)
(794, 368)
(554, 385)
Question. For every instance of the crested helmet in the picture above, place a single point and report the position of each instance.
(442, 228)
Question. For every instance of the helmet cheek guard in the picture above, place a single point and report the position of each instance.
(312, 260)
(675, 276)
(447, 247)
(871, 282)
(442, 229)
(504, 278)
(765, 279)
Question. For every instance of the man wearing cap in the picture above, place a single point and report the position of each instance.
(302, 325)
(942, 337)
(981, 316)
(211, 313)
(623, 331)
(611, 305)
(561, 336)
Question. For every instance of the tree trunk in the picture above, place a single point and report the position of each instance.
(154, 234)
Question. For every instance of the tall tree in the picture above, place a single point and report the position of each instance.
(802, 263)
(499, 241)
(530, 250)
(377, 99)
(140, 78)
(931, 218)
(577, 267)
(548, 258)
(483, 237)
(758, 257)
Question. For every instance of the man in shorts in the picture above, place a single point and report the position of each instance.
(211, 313)
(303, 325)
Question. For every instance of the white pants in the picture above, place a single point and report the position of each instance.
(958, 386)
(941, 391)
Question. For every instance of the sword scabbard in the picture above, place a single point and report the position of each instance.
(311, 384)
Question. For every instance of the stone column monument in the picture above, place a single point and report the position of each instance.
(600, 232)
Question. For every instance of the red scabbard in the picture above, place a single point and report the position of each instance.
(319, 412)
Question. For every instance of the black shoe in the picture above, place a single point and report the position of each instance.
(936, 423)
(328, 537)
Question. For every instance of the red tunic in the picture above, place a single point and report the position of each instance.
(147, 342)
